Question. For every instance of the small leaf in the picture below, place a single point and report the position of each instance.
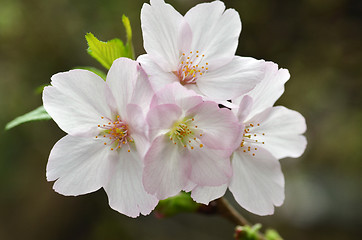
(127, 26)
(94, 70)
(271, 234)
(35, 115)
(177, 204)
(106, 52)
(129, 46)
(39, 90)
(247, 232)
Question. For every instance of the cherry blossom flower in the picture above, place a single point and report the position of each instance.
(106, 137)
(192, 142)
(269, 133)
(197, 50)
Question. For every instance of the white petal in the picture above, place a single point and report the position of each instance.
(166, 169)
(161, 25)
(158, 77)
(125, 190)
(76, 101)
(237, 77)
(209, 167)
(215, 32)
(282, 128)
(267, 92)
(128, 84)
(258, 182)
(205, 195)
(79, 165)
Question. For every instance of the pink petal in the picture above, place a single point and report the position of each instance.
(209, 167)
(79, 165)
(166, 168)
(245, 108)
(219, 126)
(232, 80)
(161, 25)
(258, 182)
(138, 128)
(161, 118)
(215, 32)
(176, 94)
(76, 101)
(282, 128)
(125, 190)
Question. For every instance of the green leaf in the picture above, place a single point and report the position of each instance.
(105, 52)
(271, 234)
(177, 204)
(35, 115)
(94, 70)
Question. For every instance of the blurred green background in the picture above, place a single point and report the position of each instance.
(319, 41)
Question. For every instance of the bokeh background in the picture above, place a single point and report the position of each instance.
(319, 41)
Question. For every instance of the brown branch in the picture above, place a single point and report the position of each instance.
(225, 209)
(222, 207)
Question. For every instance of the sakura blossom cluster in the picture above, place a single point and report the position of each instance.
(155, 128)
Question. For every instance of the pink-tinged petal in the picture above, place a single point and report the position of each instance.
(209, 167)
(219, 126)
(282, 128)
(76, 101)
(79, 165)
(161, 25)
(205, 195)
(185, 37)
(232, 80)
(143, 91)
(138, 128)
(267, 92)
(129, 84)
(258, 182)
(245, 107)
(125, 190)
(166, 168)
(189, 186)
(176, 94)
(161, 118)
(158, 77)
(215, 32)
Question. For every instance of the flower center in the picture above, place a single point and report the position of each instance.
(191, 67)
(115, 133)
(186, 134)
(251, 138)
